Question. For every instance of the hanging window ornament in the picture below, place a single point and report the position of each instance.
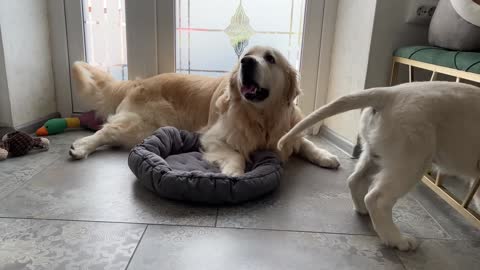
(239, 30)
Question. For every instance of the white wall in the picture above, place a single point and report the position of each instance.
(26, 45)
(5, 112)
(389, 33)
(366, 34)
(349, 60)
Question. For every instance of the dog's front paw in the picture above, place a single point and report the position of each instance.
(79, 149)
(232, 170)
(404, 243)
(78, 153)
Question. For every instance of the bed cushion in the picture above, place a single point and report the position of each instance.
(466, 61)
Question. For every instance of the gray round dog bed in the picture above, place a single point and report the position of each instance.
(170, 163)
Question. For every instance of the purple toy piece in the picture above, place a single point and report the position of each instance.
(90, 121)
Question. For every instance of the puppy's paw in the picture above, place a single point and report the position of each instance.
(404, 243)
(361, 211)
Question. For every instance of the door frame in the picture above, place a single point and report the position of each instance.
(156, 18)
(324, 59)
(151, 55)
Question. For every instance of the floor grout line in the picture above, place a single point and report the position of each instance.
(332, 233)
(295, 231)
(224, 227)
(31, 177)
(400, 259)
(136, 247)
(104, 221)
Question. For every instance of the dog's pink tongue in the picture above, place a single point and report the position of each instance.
(248, 89)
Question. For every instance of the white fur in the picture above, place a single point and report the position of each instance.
(3, 154)
(45, 143)
(404, 129)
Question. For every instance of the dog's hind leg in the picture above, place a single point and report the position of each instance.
(396, 177)
(360, 180)
(122, 129)
(318, 156)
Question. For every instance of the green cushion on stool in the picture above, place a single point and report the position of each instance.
(466, 61)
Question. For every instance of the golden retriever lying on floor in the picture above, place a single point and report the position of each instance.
(249, 109)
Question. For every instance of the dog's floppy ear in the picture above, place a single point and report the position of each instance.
(233, 84)
(231, 93)
(292, 84)
(222, 102)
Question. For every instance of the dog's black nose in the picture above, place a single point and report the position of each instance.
(248, 61)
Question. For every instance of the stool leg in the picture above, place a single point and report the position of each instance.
(394, 75)
(471, 192)
(411, 77)
(438, 179)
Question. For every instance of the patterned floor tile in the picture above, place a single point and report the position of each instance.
(443, 255)
(315, 199)
(166, 247)
(100, 188)
(51, 245)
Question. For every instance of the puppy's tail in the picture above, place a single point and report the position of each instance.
(99, 88)
(369, 98)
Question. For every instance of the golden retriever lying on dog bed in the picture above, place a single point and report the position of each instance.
(247, 110)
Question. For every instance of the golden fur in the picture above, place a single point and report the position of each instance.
(233, 127)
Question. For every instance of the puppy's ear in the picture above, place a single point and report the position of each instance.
(292, 84)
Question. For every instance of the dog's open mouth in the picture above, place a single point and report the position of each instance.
(253, 92)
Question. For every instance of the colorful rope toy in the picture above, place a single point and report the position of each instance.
(87, 120)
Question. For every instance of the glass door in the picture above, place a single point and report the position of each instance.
(230, 28)
(210, 35)
(105, 36)
(96, 33)
(132, 39)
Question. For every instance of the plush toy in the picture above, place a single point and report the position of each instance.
(19, 143)
(86, 120)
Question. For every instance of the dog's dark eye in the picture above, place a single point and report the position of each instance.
(269, 58)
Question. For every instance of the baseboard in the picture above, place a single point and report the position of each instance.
(32, 126)
(336, 139)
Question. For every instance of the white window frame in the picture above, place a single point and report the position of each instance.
(324, 58)
(151, 45)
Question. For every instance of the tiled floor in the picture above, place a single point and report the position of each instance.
(59, 214)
